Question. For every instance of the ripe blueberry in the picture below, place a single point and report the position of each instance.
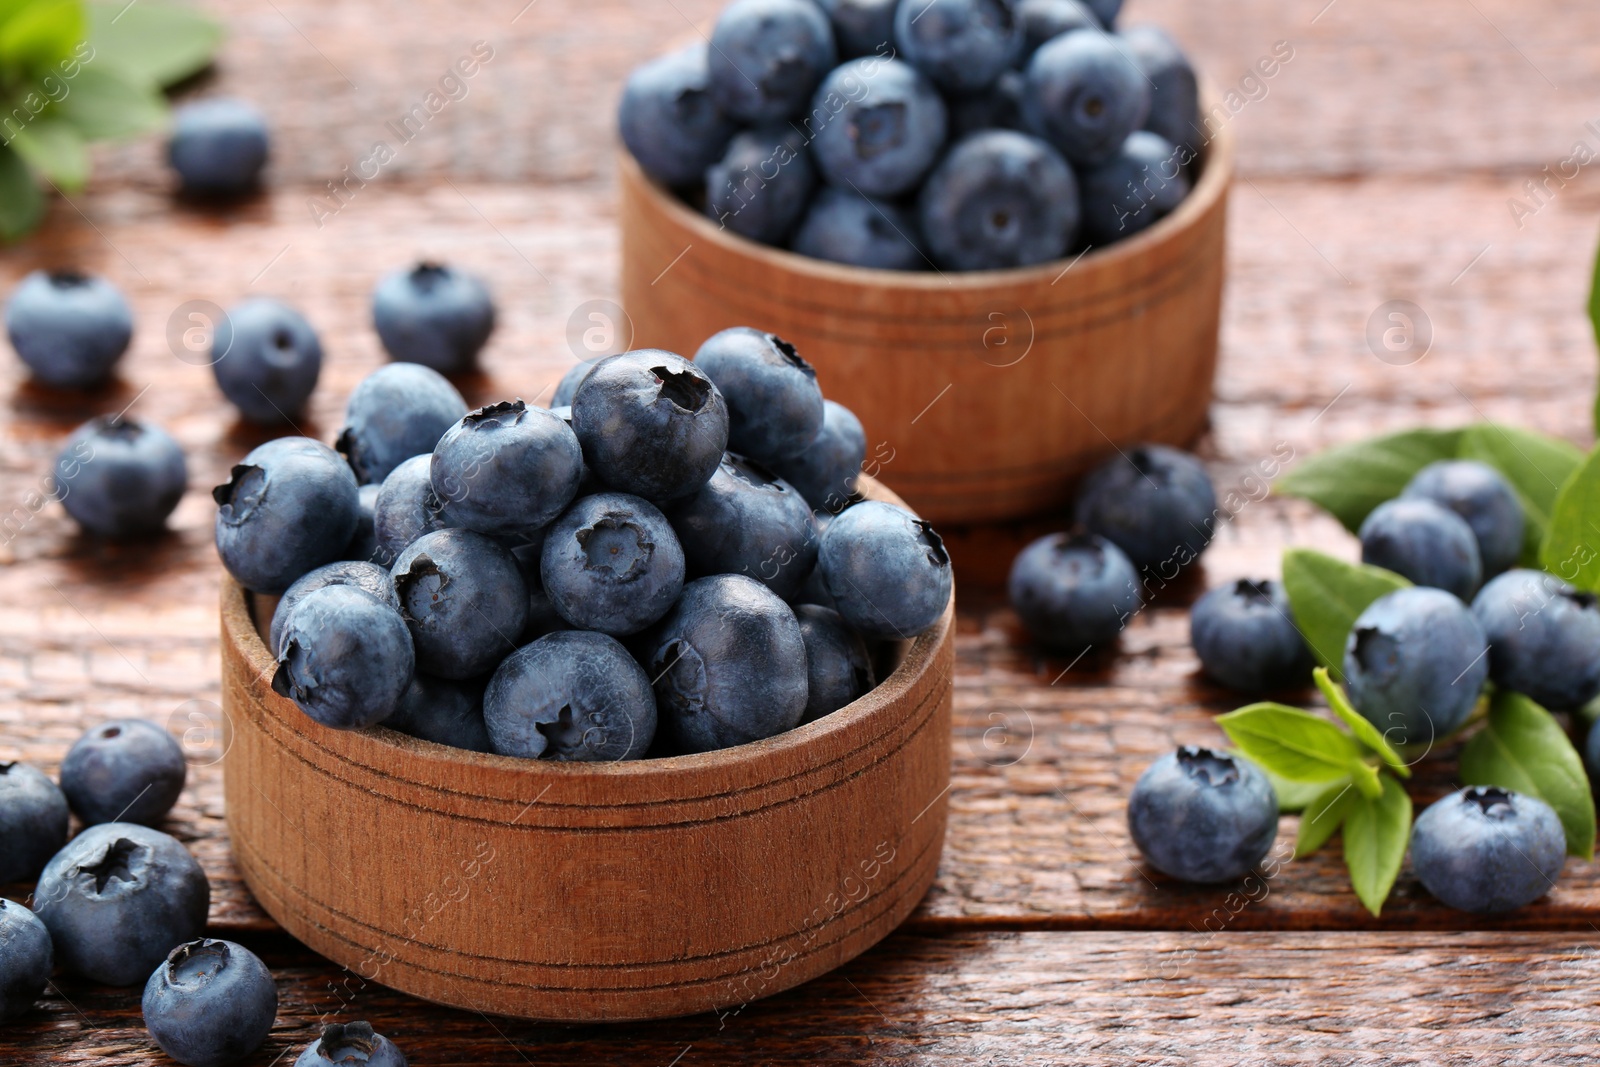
(70, 329)
(434, 315)
(861, 27)
(1044, 20)
(570, 695)
(999, 199)
(961, 45)
(1084, 95)
(127, 770)
(1074, 591)
(887, 571)
(345, 657)
(762, 184)
(838, 664)
(1127, 193)
(774, 403)
(1246, 637)
(33, 821)
(1174, 91)
(567, 387)
(351, 1045)
(406, 508)
(444, 711)
(1485, 849)
(368, 577)
(26, 959)
(218, 147)
(120, 478)
(877, 126)
(364, 542)
(1203, 816)
(1153, 502)
(266, 358)
(506, 468)
(1424, 542)
(1414, 664)
(767, 56)
(398, 411)
(826, 472)
(668, 119)
(210, 1003)
(464, 599)
(1544, 638)
(611, 563)
(747, 520)
(844, 227)
(1484, 499)
(289, 507)
(997, 107)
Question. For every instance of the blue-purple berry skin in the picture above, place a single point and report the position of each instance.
(775, 407)
(843, 226)
(1045, 20)
(1084, 95)
(33, 821)
(1174, 90)
(364, 542)
(567, 387)
(465, 601)
(1074, 591)
(1484, 499)
(266, 358)
(345, 657)
(1544, 638)
(506, 468)
(125, 770)
(1487, 850)
(877, 127)
(1424, 542)
(210, 1003)
(352, 1044)
(290, 506)
(999, 199)
(365, 576)
(218, 147)
(861, 27)
(887, 570)
(1245, 635)
(406, 508)
(612, 563)
(762, 184)
(571, 696)
(1155, 503)
(1203, 816)
(1414, 664)
(668, 119)
(1140, 185)
(767, 56)
(443, 710)
(838, 662)
(26, 959)
(69, 328)
(435, 315)
(961, 45)
(746, 520)
(120, 478)
(398, 411)
(827, 471)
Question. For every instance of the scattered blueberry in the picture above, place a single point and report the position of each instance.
(368, 577)
(838, 665)
(570, 695)
(266, 358)
(826, 472)
(1174, 91)
(444, 711)
(1414, 664)
(761, 185)
(1484, 499)
(218, 147)
(997, 107)
(1143, 182)
(767, 56)
(1203, 816)
(464, 599)
(118, 898)
(774, 403)
(69, 328)
(961, 45)
(887, 570)
(668, 119)
(746, 520)
(1486, 850)
(1544, 638)
(1153, 502)
(1246, 637)
(289, 507)
(876, 126)
(651, 424)
(506, 468)
(999, 199)
(861, 27)
(364, 542)
(351, 1045)
(33, 822)
(127, 770)
(1084, 95)
(844, 227)
(120, 478)
(1420, 540)
(567, 388)
(1044, 20)
(434, 315)
(398, 411)
(406, 508)
(345, 657)
(612, 563)
(1074, 591)
(26, 959)
(210, 1004)
(729, 665)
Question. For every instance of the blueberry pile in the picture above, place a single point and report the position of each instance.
(673, 560)
(908, 134)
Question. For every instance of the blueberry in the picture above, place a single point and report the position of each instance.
(266, 358)
(1544, 638)
(345, 657)
(1044, 20)
(999, 199)
(1484, 499)
(571, 695)
(1084, 95)
(128, 770)
(1591, 752)
(406, 508)
(351, 1045)
(118, 898)
(668, 119)
(774, 403)
(729, 665)
(844, 227)
(211, 1003)
(434, 315)
(1105, 10)
(1485, 849)
(861, 27)
(1414, 664)
(567, 388)
(1203, 816)
(398, 411)
(876, 126)
(120, 478)
(364, 542)
(961, 45)
(815, 589)
(26, 959)
(747, 520)
(506, 468)
(651, 424)
(1074, 591)
(767, 56)
(826, 472)
(1246, 637)
(762, 184)
(1174, 91)
(69, 328)
(1422, 541)
(887, 570)
(838, 665)
(999, 107)
(33, 822)
(612, 563)
(368, 577)
(290, 507)
(1153, 502)
(1143, 182)
(218, 147)
(464, 599)
(444, 711)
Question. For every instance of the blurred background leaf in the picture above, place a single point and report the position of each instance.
(159, 44)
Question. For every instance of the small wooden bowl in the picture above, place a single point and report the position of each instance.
(581, 892)
(983, 393)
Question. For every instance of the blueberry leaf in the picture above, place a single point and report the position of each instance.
(104, 104)
(1568, 550)
(54, 149)
(42, 33)
(1291, 743)
(1376, 831)
(1327, 594)
(1350, 480)
(152, 43)
(1365, 733)
(1322, 817)
(1524, 749)
(21, 203)
(1292, 796)
(1594, 318)
(1537, 467)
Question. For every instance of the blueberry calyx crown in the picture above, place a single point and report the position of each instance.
(791, 355)
(1253, 591)
(421, 567)
(1583, 601)
(427, 274)
(1373, 647)
(1493, 801)
(68, 278)
(604, 553)
(6, 765)
(224, 493)
(682, 388)
(491, 414)
(197, 960)
(115, 862)
(119, 427)
(1207, 765)
(346, 1037)
(938, 555)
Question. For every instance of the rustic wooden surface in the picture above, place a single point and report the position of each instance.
(1377, 165)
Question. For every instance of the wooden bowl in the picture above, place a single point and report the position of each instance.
(983, 393)
(582, 892)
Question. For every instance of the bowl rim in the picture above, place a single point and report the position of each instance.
(1216, 159)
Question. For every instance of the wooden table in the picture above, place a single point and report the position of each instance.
(1377, 164)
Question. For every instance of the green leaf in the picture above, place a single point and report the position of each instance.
(1594, 317)
(1292, 796)
(1536, 466)
(1350, 480)
(1523, 748)
(1323, 816)
(1292, 743)
(1376, 832)
(1326, 595)
(1366, 733)
(21, 203)
(54, 149)
(1572, 545)
(104, 104)
(42, 33)
(152, 43)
